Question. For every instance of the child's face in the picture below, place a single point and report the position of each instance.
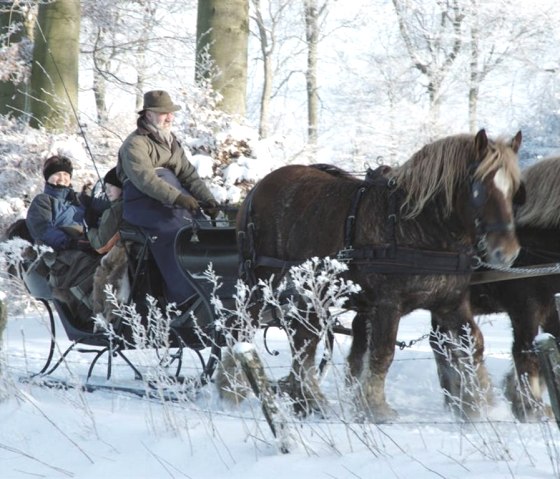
(113, 192)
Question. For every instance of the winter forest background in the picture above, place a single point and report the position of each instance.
(354, 83)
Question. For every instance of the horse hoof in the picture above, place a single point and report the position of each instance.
(384, 415)
(535, 413)
(304, 402)
(377, 415)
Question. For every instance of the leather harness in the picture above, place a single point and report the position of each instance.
(385, 258)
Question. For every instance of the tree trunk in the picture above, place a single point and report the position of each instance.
(312, 39)
(267, 49)
(13, 83)
(222, 35)
(474, 81)
(100, 63)
(54, 74)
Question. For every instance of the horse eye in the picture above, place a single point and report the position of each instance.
(477, 194)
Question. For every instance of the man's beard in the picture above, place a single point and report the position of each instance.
(165, 134)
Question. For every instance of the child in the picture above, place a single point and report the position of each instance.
(105, 239)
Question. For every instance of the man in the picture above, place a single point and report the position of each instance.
(161, 188)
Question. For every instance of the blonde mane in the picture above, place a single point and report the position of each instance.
(443, 166)
(542, 205)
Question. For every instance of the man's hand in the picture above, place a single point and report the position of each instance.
(187, 202)
(212, 208)
(87, 189)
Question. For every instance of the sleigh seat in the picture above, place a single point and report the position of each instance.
(196, 246)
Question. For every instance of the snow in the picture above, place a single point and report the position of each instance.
(67, 433)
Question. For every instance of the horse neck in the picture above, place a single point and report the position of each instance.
(430, 229)
(435, 228)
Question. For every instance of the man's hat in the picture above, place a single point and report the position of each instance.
(158, 101)
(112, 178)
(54, 164)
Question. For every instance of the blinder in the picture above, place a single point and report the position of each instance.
(478, 194)
(477, 199)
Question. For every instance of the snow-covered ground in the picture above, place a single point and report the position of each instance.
(66, 433)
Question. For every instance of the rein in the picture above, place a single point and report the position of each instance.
(503, 273)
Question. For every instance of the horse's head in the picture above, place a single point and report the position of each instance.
(494, 187)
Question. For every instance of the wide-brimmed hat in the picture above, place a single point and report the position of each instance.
(54, 164)
(158, 101)
(112, 178)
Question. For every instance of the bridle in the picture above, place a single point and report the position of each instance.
(478, 196)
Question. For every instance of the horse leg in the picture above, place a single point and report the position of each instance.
(359, 346)
(382, 323)
(523, 386)
(458, 347)
(302, 384)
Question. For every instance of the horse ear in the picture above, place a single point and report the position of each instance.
(516, 142)
(481, 142)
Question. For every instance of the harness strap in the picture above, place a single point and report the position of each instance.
(392, 217)
(245, 242)
(373, 177)
(389, 258)
(350, 223)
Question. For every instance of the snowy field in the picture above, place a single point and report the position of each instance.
(52, 433)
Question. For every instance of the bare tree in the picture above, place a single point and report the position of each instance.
(268, 41)
(494, 37)
(433, 35)
(132, 45)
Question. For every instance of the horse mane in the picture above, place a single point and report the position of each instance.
(542, 204)
(443, 166)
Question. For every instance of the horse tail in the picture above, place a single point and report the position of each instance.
(331, 170)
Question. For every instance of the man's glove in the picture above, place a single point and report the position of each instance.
(80, 244)
(212, 208)
(187, 202)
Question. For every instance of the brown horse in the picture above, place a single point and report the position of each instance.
(408, 240)
(529, 302)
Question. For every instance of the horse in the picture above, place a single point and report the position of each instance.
(529, 301)
(408, 236)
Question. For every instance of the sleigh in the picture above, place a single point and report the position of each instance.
(197, 246)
